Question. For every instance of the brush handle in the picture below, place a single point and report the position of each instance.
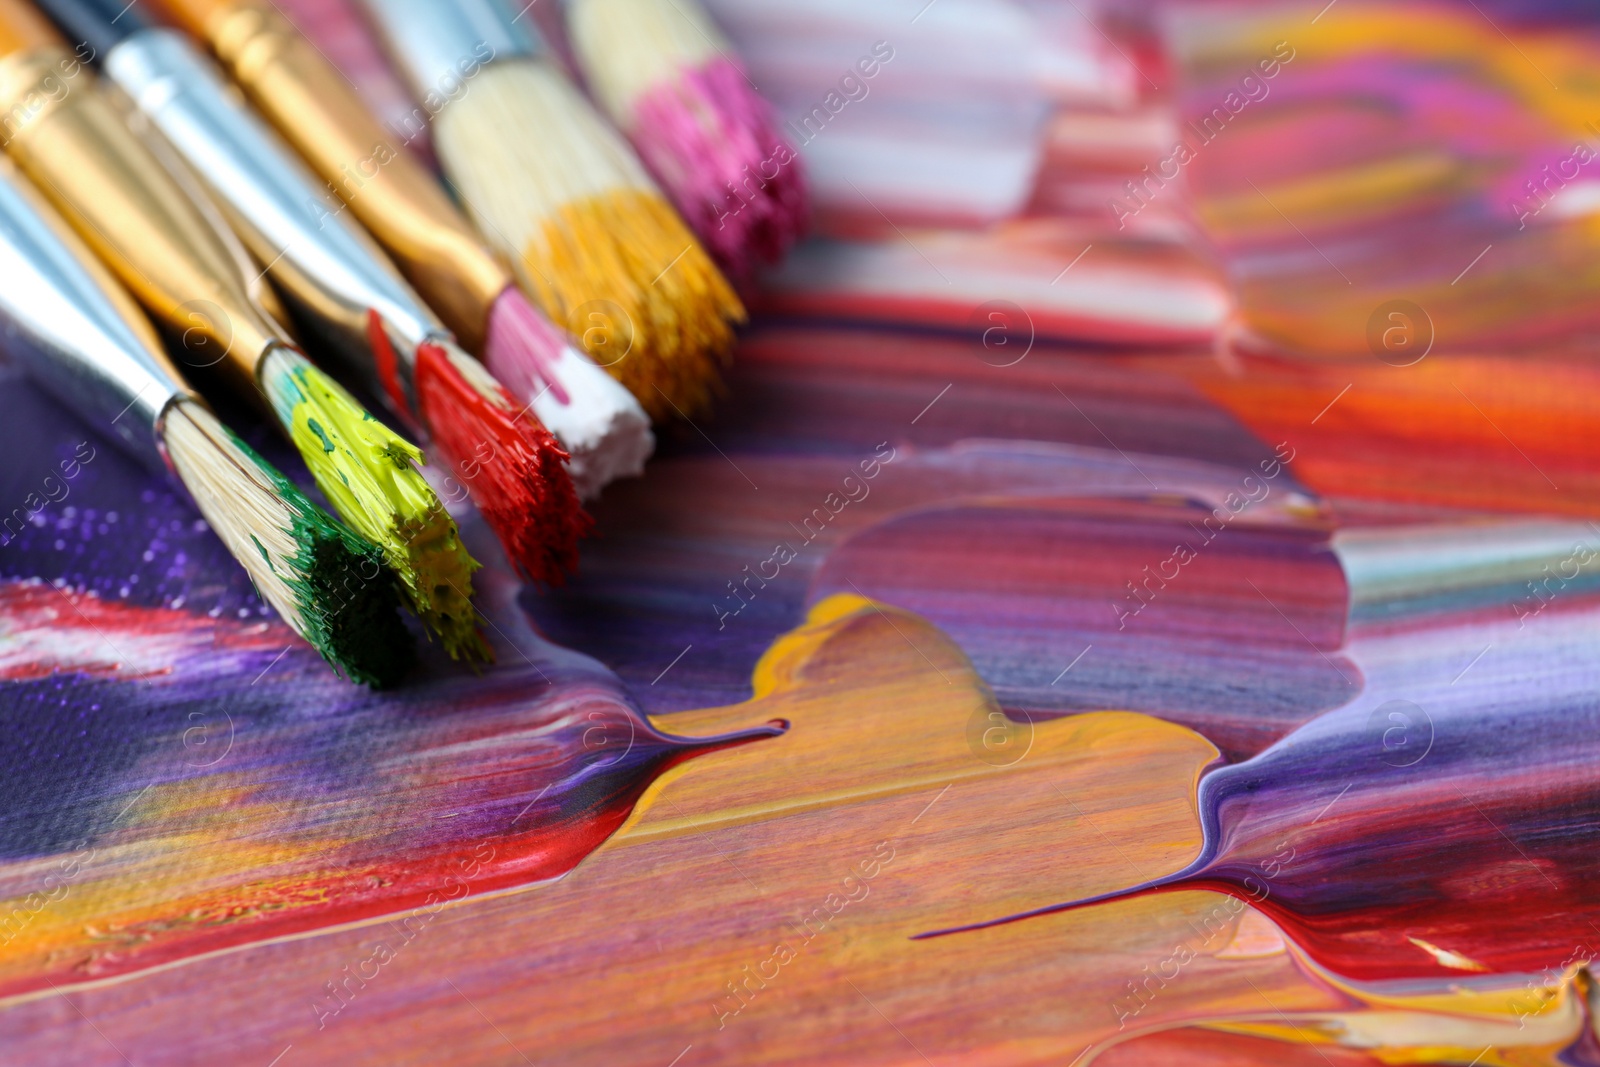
(122, 201)
(100, 24)
(77, 332)
(326, 265)
(438, 46)
(394, 196)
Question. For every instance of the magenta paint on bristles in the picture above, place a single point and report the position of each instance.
(715, 147)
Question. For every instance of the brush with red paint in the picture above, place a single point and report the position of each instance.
(313, 106)
(344, 288)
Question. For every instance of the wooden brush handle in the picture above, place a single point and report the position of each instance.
(399, 202)
(194, 15)
(23, 28)
(81, 153)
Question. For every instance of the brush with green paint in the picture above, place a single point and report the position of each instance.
(131, 200)
(84, 339)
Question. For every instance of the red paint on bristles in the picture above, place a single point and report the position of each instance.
(713, 144)
(386, 361)
(511, 465)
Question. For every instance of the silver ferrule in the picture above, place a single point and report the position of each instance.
(60, 322)
(440, 44)
(324, 263)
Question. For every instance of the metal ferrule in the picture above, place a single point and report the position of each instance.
(330, 269)
(124, 203)
(439, 45)
(393, 196)
(78, 333)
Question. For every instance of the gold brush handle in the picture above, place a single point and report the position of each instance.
(80, 152)
(394, 197)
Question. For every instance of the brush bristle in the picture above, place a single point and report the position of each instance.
(713, 144)
(328, 584)
(523, 347)
(592, 238)
(662, 71)
(604, 430)
(368, 472)
(511, 465)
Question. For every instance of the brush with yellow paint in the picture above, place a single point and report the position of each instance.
(348, 294)
(566, 199)
(130, 201)
(81, 336)
(400, 203)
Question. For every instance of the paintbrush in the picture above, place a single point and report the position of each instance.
(349, 291)
(666, 75)
(566, 199)
(435, 246)
(135, 212)
(83, 338)
(342, 36)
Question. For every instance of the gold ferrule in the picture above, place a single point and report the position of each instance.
(110, 186)
(113, 292)
(389, 192)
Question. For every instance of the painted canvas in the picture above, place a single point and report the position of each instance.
(1136, 602)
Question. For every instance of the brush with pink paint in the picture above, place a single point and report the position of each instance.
(318, 110)
(666, 76)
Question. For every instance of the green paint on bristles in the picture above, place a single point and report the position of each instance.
(348, 603)
(327, 445)
(369, 473)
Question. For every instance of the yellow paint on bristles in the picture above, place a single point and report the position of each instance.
(368, 473)
(593, 240)
(639, 293)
